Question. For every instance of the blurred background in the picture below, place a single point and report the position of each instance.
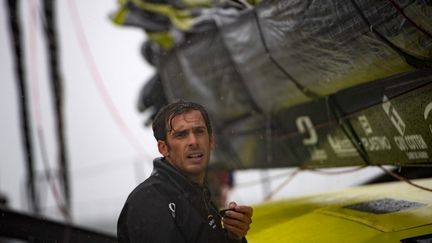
(108, 147)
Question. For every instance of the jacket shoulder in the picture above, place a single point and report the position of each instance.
(146, 214)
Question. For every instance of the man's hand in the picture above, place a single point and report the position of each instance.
(237, 220)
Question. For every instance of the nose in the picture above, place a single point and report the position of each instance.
(192, 140)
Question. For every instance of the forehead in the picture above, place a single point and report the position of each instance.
(187, 120)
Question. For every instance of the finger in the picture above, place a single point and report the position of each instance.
(234, 227)
(238, 216)
(232, 205)
(244, 209)
(235, 230)
(239, 220)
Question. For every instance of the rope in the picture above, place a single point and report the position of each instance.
(307, 92)
(97, 77)
(338, 172)
(400, 10)
(38, 112)
(15, 29)
(57, 92)
(282, 185)
(404, 179)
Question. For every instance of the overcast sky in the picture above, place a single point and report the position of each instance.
(103, 72)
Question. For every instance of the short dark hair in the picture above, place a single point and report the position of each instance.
(163, 118)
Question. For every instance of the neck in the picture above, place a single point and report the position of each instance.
(194, 178)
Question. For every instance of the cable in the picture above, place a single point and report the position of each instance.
(284, 183)
(337, 172)
(97, 77)
(295, 172)
(282, 175)
(242, 80)
(404, 179)
(410, 59)
(15, 33)
(56, 85)
(303, 89)
(291, 176)
(38, 113)
(62, 207)
(347, 128)
(33, 65)
(400, 10)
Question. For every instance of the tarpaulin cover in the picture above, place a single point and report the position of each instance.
(311, 83)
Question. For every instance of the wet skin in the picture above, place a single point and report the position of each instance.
(188, 145)
(187, 148)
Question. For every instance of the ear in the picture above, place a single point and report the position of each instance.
(163, 148)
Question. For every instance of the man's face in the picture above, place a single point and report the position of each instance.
(188, 145)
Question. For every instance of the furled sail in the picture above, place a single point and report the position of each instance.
(297, 83)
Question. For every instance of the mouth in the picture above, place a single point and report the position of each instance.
(195, 156)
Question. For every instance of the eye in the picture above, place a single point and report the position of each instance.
(200, 131)
(180, 134)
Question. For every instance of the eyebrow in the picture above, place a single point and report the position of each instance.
(179, 132)
(173, 131)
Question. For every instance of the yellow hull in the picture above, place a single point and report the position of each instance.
(406, 212)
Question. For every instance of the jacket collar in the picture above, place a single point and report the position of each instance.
(163, 167)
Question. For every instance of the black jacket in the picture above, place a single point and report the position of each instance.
(168, 208)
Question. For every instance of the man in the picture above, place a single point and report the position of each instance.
(174, 204)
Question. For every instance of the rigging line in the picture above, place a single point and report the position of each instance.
(409, 59)
(295, 172)
(62, 207)
(400, 10)
(347, 128)
(26, 139)
(307, 92)
(323, 172)
(34, 81)
(404, 179)
(33, 64)
(97, 78)
(357, 112)
(253, 102)
(283, 184)
(56, 85)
